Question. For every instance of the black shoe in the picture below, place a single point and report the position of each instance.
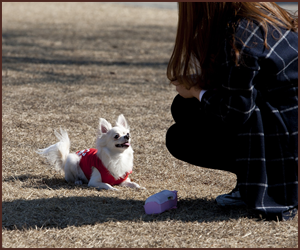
(289, 214)
(231, 199)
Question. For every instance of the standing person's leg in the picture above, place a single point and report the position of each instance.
(198, 138)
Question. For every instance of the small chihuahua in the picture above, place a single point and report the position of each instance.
(108, 165)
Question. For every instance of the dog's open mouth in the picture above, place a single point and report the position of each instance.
(124, 145)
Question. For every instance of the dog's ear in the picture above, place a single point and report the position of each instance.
(104, 126)
(122, 121)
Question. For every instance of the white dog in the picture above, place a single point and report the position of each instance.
(107, 165)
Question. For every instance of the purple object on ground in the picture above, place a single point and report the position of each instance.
(161, 202)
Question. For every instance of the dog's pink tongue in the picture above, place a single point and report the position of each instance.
(127, 144)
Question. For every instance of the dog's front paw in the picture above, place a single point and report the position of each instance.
(107, 188)
(131, 185)
(135, 185)
(139, 187)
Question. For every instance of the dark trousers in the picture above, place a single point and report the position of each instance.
(199, 138)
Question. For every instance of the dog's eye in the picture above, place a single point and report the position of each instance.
(116, 136)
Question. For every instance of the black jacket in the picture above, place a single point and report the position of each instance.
(260, 99)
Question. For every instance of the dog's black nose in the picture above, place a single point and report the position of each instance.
(126, 136)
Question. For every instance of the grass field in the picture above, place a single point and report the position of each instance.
(68, 64)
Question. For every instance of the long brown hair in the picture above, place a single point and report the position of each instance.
(201, 30)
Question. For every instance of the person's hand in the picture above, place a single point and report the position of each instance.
(185, 93)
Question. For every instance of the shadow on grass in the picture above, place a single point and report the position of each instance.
(32, 60)
(43, 52)
(61, 212)
(41, 182)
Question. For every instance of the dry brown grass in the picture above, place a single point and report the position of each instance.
(67, 64)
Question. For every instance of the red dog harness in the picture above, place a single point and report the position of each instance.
(89, 159)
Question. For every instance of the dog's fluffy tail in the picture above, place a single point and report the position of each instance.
(57, 154)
